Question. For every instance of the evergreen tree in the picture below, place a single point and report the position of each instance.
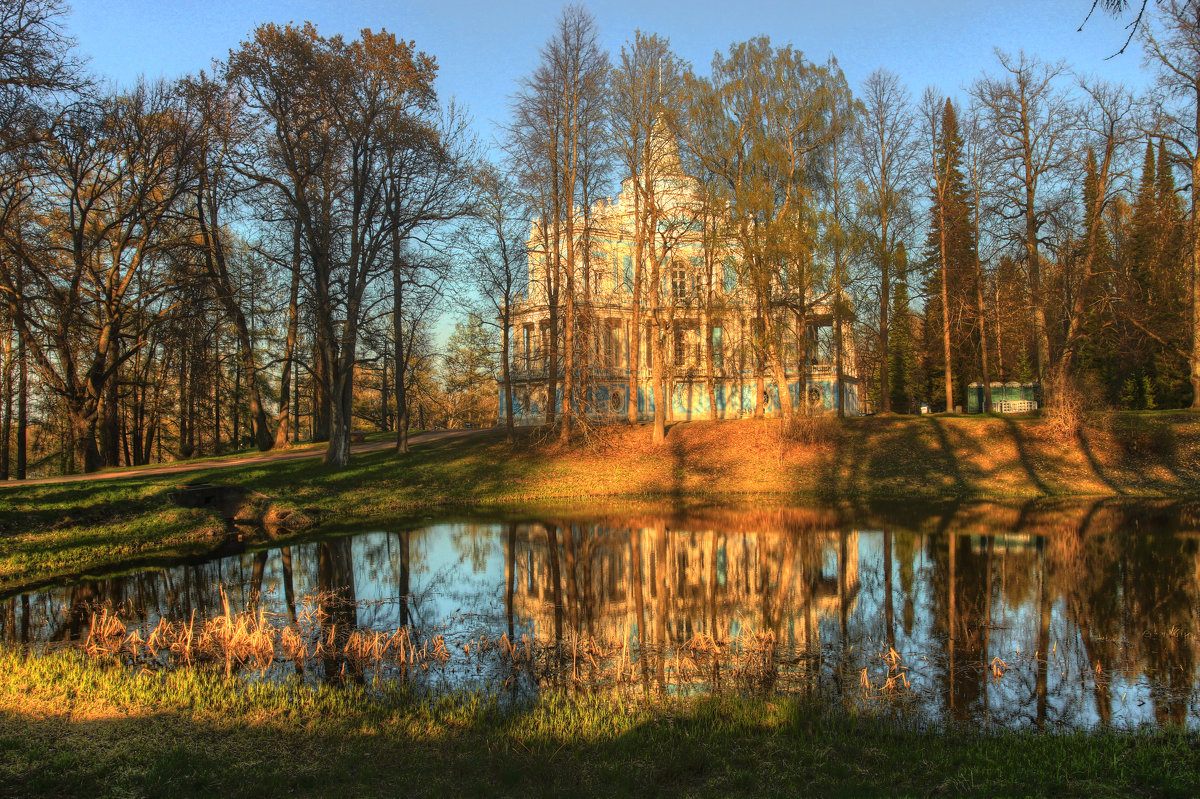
(1153, 293)
(1143, 237)
(1169, 368)
(951, 259)
(1098, 351)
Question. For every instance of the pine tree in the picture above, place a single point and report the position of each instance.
(1143, 238)
(951, 256)
(1153, 293)
(1169, 368)
(1098, 352)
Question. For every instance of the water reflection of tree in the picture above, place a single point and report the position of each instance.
(338, 605)
(1132, 595)
(473, 541)
(1160, 582)
(1118, 603)
(960, 618)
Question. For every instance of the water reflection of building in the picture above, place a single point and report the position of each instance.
(1117, 608)
(614, 584)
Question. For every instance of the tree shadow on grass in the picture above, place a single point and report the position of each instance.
(708, 747)
(891, 457)
(1025, 457)
(1085, 446)
(685, 462)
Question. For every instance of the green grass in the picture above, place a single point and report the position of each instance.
(55, 530)
(74, 727)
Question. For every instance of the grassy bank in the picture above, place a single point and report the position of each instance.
(78, 528)
(74, 727)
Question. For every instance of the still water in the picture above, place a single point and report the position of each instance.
(1045, 615)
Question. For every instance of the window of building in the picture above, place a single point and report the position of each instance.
(730, 276)
(627, 263)
(679, 282)
(680, 346)
(718, 347)
(825, 351)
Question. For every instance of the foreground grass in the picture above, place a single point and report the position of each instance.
(49, 531)
(74, 727)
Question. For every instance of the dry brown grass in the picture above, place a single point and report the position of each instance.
(894, 456)
(254, 641)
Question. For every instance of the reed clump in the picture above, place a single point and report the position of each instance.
(320, 638)
(255, 640)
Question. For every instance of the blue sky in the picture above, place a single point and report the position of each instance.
(484, 48)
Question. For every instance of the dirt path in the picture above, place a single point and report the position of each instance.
(245, 460)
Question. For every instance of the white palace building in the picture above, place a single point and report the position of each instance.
(697, 294)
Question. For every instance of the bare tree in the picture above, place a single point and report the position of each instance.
(979, 164)
(888, 158)
(333, 117)
(1034, 122)
(761, 124)
(36, 61)
(645, 96)
(219, 135)
(557, 139)
(110, 179)
(495, 244)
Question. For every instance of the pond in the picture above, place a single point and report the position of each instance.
(1043, 614)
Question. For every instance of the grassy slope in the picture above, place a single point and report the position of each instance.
(74, 528)
(70, 727)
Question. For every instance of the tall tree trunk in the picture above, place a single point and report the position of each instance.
(218, 270)
(289, 349)
(125, 441)
(710, 378)
(635, 331)
(885, 289)
(706, 327)
(216, 393)
(983, 345)
(802, 358)
(948, 375)
(184, 394)
(109, 427)
(1194, 270)
(400, 346)
(1037, 300)
(775, 351)
(510, 434)
(82, 422)
(384, 396)
(6, 407)
(321, 383)
(569, 324)
(342, 392)
(235, 401)
(657, 364)
(22, 406)
(760, 381)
